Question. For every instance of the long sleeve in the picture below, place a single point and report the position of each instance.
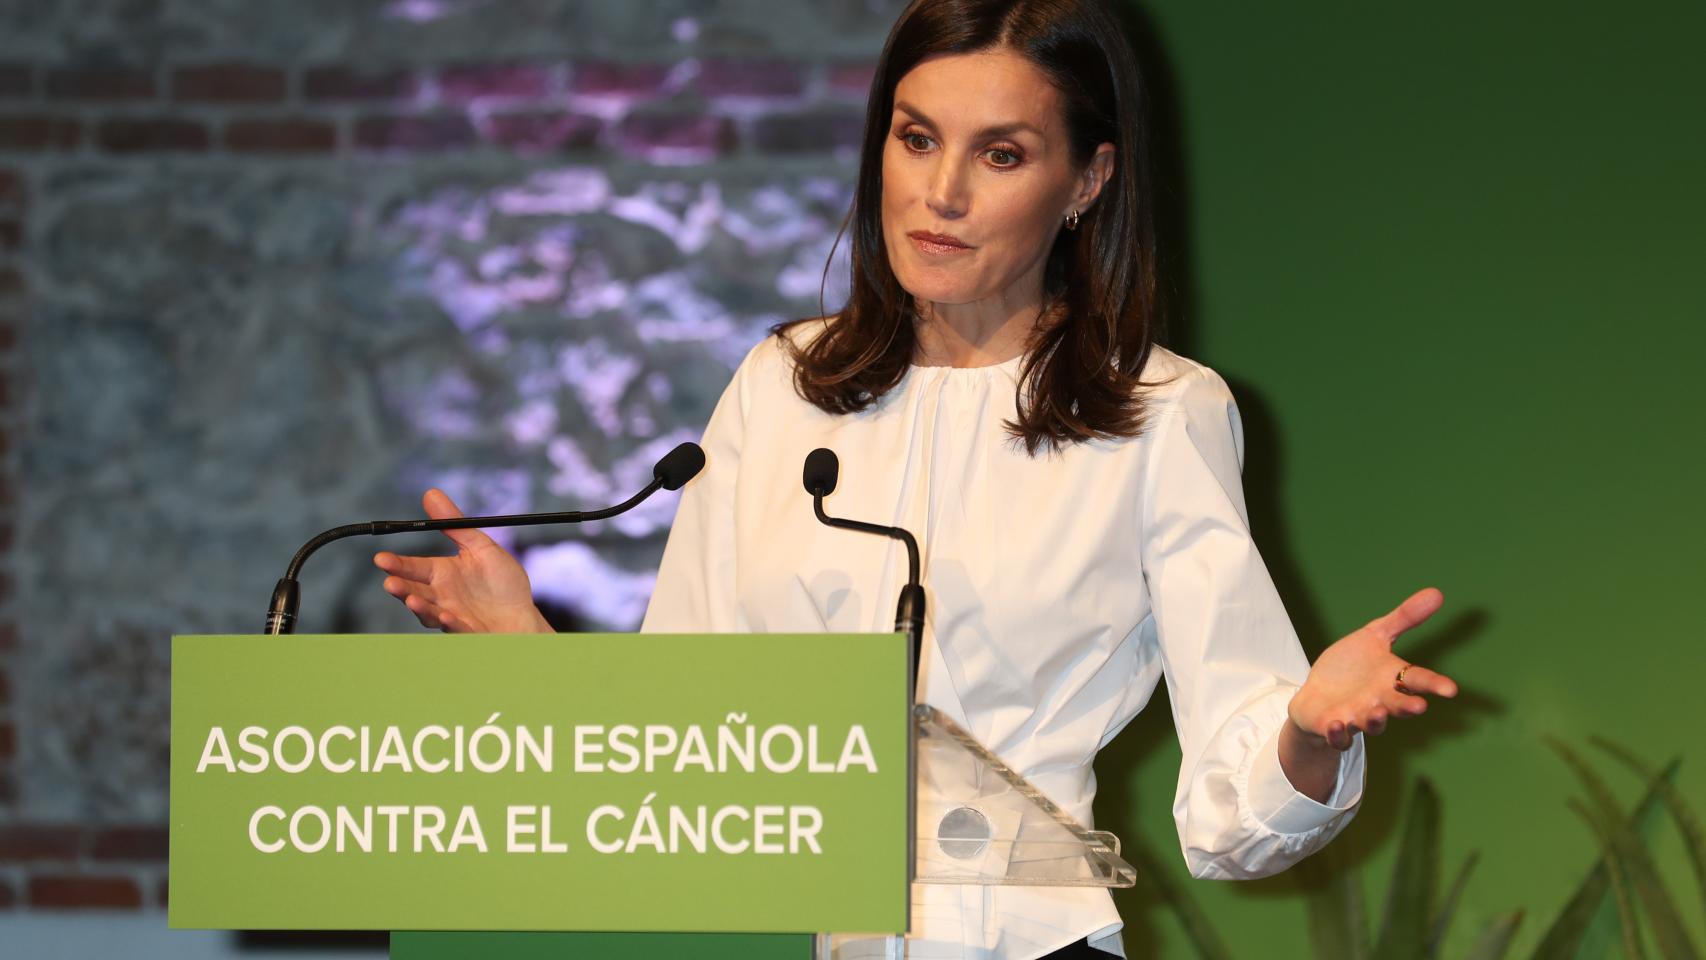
(1231, 657)
(695, 589)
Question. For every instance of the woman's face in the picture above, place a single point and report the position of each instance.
(978, 153)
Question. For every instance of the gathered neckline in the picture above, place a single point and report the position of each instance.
(1011, 362)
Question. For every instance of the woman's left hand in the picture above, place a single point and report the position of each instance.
(1352, 685)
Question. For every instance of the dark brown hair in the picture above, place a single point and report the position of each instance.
(1079, 380)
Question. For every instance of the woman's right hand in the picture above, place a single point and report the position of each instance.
(482, 589)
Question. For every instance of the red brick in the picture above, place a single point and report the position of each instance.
(61, 892)
(543, 131)
(652, 134)
(430, 132)
(37, 131)
(851, 79)
(474, 81)
(130, 843)
(290, 135)
(138, 135)
(620, 79)
(347, 83)
(100, 83)
(16, 80)
(35, 842)
(750, 78)
(228, 83)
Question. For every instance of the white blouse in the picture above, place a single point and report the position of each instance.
(1060, 590)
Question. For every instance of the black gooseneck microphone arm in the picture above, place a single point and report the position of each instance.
(821, 473)
(672, 472)
(822, 470)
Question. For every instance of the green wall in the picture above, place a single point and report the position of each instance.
(1450, 258)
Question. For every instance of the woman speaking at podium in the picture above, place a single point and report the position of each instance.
(993, 385)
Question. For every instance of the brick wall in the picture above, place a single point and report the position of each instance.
(687, 112)
(59, 866)
(197, 92)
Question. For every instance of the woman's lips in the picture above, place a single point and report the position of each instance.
(937, 242)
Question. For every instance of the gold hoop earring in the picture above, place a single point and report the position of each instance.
(1072, 220)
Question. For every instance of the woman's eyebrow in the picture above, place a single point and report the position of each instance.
(999, 130)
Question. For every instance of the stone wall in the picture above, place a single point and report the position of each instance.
(267, 268)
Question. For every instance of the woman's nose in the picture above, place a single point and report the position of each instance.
(947, 196)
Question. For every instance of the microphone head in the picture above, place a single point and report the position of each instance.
(679, 466)
(822, 470)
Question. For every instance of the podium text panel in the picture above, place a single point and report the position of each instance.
(775, 799)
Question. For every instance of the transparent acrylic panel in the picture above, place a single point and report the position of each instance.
(979, 822)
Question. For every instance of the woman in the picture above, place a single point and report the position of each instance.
(992, 385)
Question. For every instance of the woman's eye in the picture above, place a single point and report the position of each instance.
(999, 158)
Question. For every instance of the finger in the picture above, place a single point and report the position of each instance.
(1376, 721)
(1418, 679)
(1421, 605)
(424, 611)
(412, 568)
(1409, 706)
(403, 589)
(1349, 733)
(439, 506)
(451, 623)
(1339, 735)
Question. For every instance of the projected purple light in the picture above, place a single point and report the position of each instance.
(579, 310)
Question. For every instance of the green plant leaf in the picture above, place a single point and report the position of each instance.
(1442, 922)
(1564, 939)
(1198, 928)
(1496, 939)
(1415, 877)
(1332, 890)
(1667, 927)
(1627, 920)
(1693, 835)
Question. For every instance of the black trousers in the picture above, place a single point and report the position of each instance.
(1078, 951)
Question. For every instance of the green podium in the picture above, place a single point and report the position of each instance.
(598, 795)
(725, 795)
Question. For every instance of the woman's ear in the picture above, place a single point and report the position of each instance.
(1094, 177)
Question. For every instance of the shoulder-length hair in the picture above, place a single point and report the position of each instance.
(1079, 379)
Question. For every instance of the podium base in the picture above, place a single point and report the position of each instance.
(486, 945)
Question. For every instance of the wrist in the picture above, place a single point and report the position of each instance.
(1300, 741)
(539, 624)
(517, 620)
(1309, 761)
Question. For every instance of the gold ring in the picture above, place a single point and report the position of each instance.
(1399, 686)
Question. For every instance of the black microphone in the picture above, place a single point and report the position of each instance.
(822, 470)
(671, 473)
